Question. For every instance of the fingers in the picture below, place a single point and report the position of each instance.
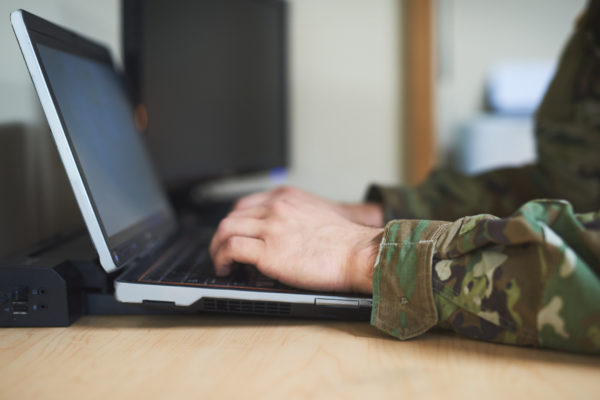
(253, 200)
(235, 226)
(258, 212)
(241, 236)
(237, 249)
(267, 197)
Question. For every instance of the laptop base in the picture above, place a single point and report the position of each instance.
(55, 282)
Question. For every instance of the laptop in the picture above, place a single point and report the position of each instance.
(159, 259)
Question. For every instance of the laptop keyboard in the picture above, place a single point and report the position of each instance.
(187, 261)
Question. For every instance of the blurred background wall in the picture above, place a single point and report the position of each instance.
(346, 95)
(473, 37)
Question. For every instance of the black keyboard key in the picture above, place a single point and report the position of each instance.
(188, 261)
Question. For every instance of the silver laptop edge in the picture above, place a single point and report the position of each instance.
(64, 150)
(188, 295)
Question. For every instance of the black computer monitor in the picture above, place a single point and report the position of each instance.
(212, 76)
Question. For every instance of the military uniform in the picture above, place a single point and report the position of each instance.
(529, 276)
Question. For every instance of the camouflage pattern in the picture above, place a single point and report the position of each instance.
(530, 274)
(528, 279)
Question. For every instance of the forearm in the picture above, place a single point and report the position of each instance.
(449, 195)
(529, 279)
(369, 213)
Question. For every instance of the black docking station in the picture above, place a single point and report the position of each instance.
(55, 282)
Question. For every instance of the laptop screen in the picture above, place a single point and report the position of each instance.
(102, 131)
(126, 195)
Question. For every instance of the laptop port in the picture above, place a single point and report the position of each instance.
(20, 308)
(20, 295)
(19, 299)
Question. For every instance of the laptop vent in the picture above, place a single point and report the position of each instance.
(246, 307)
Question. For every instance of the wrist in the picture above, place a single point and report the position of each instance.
(370, 214)
(363, 262)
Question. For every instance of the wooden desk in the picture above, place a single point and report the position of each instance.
(174, 357)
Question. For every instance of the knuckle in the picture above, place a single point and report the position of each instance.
(240, 203)
(288, 191)
(225, 225)
(235, 213)
(269, 228)
(231, 245)
(279, 207)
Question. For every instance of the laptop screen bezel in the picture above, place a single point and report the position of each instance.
(117, 249)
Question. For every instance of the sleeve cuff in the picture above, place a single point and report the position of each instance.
(391, 200)
(403, 303)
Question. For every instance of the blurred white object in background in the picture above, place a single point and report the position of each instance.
(504, 136)
(518, 87)
(492, 141)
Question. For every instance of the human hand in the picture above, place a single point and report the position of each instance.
(298, 244)
(369, 214)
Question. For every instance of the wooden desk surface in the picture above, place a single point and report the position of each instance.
(173, 357)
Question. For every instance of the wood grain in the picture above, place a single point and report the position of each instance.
(173, 357)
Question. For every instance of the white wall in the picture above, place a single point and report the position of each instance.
(345, 58)
(97, 19)
(475, 34)
(345, 102)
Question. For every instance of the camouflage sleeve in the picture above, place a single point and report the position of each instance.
(448, 195)
(567, 130)
(528, 279)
